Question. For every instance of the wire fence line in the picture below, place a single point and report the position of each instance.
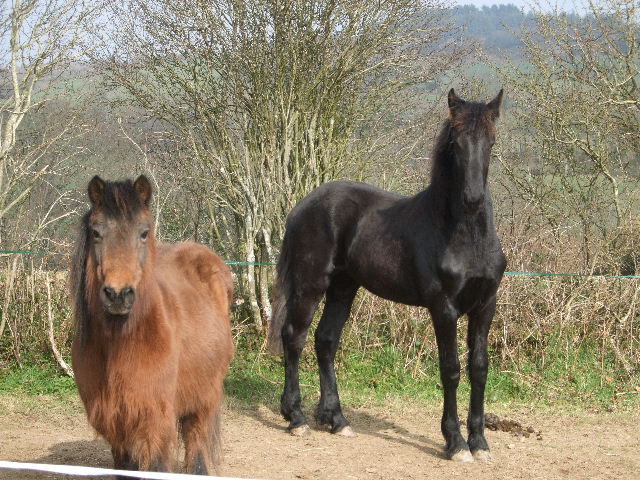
(271, 264)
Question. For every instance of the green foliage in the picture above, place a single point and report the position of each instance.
(36, 379)
(570, 379)
(379, 378)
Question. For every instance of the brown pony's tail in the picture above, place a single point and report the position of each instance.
(281, 295)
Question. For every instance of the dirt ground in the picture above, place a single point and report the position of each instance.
(399, 442)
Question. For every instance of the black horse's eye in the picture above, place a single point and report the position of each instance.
(144, 235)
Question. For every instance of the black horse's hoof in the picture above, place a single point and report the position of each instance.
(463, 456)
(482, 456)
(346, 431)
(300, 430)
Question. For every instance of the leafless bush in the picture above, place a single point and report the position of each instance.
(270, 99)
(36, 320)
(573, 142)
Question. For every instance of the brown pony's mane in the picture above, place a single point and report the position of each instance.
(78, 279)
(119, 200)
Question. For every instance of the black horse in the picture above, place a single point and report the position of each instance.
(437, 249)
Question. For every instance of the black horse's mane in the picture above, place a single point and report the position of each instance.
(440, 158)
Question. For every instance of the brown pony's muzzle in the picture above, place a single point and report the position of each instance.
(118, 302)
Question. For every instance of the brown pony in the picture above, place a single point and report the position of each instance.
(153, 340)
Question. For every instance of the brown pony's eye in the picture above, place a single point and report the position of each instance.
(95, 234)
(144, 235)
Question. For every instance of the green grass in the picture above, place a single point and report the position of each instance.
(36, 380)
(378, 378)
(571, 378)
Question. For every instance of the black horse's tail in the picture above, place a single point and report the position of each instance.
(282, 293)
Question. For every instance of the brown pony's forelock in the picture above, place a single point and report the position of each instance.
(120, 199)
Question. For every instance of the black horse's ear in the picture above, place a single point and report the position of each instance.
(96, 190)
(454, 101)
(143, 187)
(495, 104)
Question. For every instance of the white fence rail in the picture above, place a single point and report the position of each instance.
(101, 472)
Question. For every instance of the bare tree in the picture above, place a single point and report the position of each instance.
(39, 41)
(579, 113)
(270, 99)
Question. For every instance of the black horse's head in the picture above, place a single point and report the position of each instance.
(472, 134)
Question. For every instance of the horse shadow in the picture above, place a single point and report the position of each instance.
(384, 428)
(258, 398)
(364, 423)
(93, 453)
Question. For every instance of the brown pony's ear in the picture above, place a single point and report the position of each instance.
(96, 190)
(455, 101)
(143, 187)
(495, 104)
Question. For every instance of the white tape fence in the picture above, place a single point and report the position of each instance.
(101, 472)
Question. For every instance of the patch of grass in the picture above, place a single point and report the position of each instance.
(375, 379)
(378, 378)
(253, 378)
(36, 380)
(577, 377)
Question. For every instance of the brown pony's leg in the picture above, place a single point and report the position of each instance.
(123, 461)
(152, 443)
(201, 437)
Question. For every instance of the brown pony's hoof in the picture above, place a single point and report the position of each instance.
(346, 432)
(482, 455)
(462, 456)
(301, 431)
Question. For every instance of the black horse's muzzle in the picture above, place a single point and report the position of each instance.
(473, 204)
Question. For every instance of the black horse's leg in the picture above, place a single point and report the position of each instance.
(478, 364)
(445, 325)
(300, 312)
(339, 299)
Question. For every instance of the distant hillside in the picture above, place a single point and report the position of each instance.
(495, 29)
